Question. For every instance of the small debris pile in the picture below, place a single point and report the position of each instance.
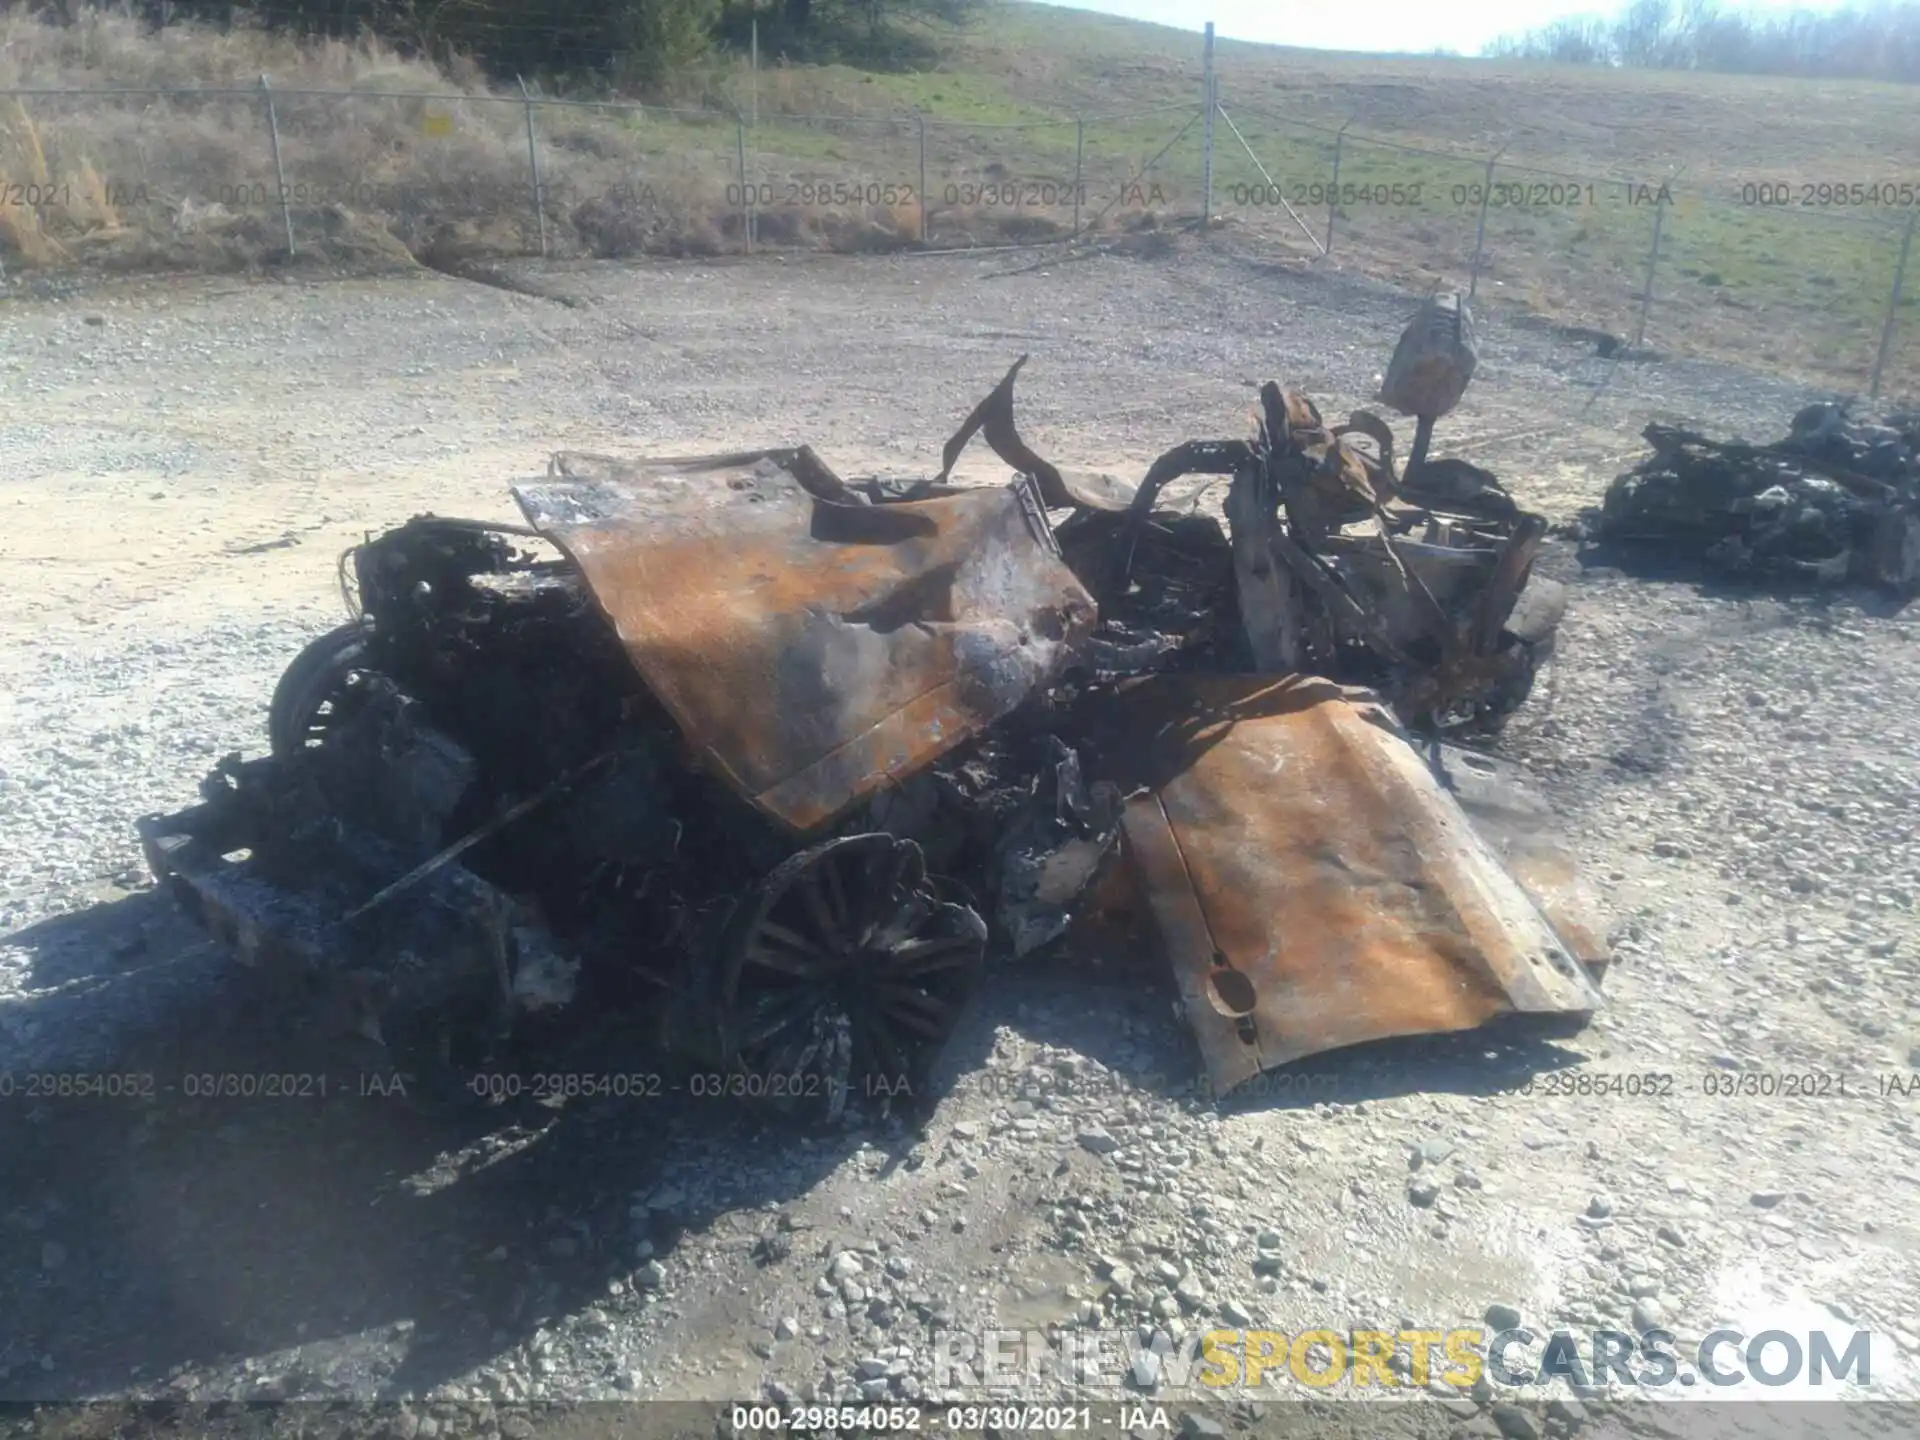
(1835, 502)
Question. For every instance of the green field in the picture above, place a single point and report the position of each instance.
(1781, 202)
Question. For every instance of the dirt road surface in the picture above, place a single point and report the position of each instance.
(182, 461)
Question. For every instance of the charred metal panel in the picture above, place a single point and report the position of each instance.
(453, 941)
(1454, 575)
(813, 650)
(1313, 883)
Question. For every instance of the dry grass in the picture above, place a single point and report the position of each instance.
(189, 181)
(166, 181)
(85, 199)
(159, 180)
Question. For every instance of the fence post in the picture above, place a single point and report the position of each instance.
(922, 121)
(1079, 169)
(1333, 200)
(746, 189)
(533, 164)
(279, 174)
(1653, 259)
(1480, 238)
(1206, 132)
(1893, 302)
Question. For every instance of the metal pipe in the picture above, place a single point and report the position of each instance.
(533, 164)
(1653, 259)
(1893, 302)
(1209, 98)
(1079, 169)
(279, 174)
(1333, 200)
(1480, 239)
(746, 190)
(499, 822)
(1312, 239)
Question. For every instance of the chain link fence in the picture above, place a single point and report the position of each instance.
(1784, 272)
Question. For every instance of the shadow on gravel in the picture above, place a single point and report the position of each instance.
(1672, 565)
(394, 1246)
(1119, 1015)
(149, 1221)
(391, 1244)
(1125, 1020)
(90, 948)
(1498, 1058)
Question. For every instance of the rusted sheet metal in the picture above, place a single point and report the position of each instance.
(1521, 827)
(1313, 883)
(815, 650)
(1060, 489)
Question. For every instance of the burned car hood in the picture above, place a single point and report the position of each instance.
(813, 648)
(1312, 882)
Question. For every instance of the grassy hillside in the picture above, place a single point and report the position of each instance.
(145, 181)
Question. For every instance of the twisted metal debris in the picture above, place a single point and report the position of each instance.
(744, 752)
(1837, 501)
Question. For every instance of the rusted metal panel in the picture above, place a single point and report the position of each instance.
(1521, 827)
(1060, 489)
(1313, 883)
(811, 649)
(993, 417)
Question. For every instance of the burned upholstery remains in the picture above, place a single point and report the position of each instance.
(763, 761)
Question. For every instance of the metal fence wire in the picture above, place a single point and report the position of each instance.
(1641, 261)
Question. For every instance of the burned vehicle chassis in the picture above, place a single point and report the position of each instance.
(750, 751)
(474, 671)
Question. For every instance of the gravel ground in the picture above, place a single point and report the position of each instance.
(183, 461)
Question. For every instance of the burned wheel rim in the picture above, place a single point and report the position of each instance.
(315, 689)
(844, 972)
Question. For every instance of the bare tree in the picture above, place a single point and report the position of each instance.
(1880, 42)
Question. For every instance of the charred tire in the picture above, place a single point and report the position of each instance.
(843, 971)
(314, 685)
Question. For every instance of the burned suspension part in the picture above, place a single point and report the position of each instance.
(1435, 603)
(1431, 367)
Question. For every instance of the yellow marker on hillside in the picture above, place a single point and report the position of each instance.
(436, 126)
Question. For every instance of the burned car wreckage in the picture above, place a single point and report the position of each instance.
(758, 752)
(1834, 502)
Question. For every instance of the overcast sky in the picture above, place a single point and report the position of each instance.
(1375, 24)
